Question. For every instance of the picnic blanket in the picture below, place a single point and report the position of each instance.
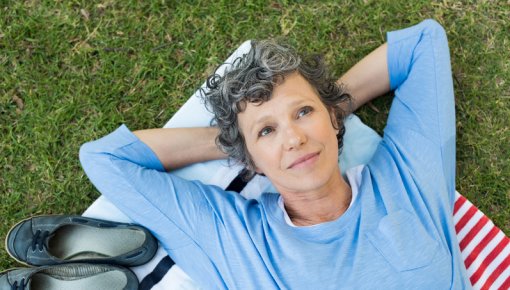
(485, 248)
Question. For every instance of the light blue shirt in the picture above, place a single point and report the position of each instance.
(397, 234)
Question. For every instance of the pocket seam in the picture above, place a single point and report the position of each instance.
(422, 254)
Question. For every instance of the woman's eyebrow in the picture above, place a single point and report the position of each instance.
(265, 118)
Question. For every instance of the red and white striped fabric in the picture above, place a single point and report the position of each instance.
(484, 247)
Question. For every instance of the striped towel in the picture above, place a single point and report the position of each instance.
(485, 248)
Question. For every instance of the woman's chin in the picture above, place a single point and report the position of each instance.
(310, 182)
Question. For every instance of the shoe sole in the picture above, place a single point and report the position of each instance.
(7, 239)
(50, 282)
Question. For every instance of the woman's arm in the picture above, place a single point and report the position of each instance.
(178, 147)
(127, 172)
(368, 78)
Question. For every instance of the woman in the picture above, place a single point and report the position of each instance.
(387, 225)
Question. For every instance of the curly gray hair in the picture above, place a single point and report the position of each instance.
(252, 78)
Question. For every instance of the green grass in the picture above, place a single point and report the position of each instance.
(72, 71)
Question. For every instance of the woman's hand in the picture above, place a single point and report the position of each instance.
(178, 147)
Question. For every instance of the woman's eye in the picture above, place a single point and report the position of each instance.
(304, 111)
(265, 131)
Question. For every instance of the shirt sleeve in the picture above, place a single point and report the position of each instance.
(422, 115)
(128, 173)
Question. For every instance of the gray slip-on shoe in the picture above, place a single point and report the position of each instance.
(69, 276)
(57, 239)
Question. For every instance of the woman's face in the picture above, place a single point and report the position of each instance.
(291, 138)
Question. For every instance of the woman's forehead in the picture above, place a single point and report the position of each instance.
(292, 93)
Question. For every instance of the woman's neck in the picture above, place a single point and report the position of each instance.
(322, 205)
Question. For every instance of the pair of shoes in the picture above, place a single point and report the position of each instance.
(69, 276)
(76, 251)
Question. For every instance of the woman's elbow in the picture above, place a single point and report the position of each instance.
(433, 28)
(86, 155)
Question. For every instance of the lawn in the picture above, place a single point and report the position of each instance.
(72, 71)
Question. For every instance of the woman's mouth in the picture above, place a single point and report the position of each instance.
(305, 160)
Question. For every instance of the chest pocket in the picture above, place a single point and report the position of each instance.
(403, 241)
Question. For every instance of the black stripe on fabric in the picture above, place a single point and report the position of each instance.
(157, 274)
(237, 184)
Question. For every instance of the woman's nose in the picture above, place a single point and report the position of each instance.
(294, 137)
